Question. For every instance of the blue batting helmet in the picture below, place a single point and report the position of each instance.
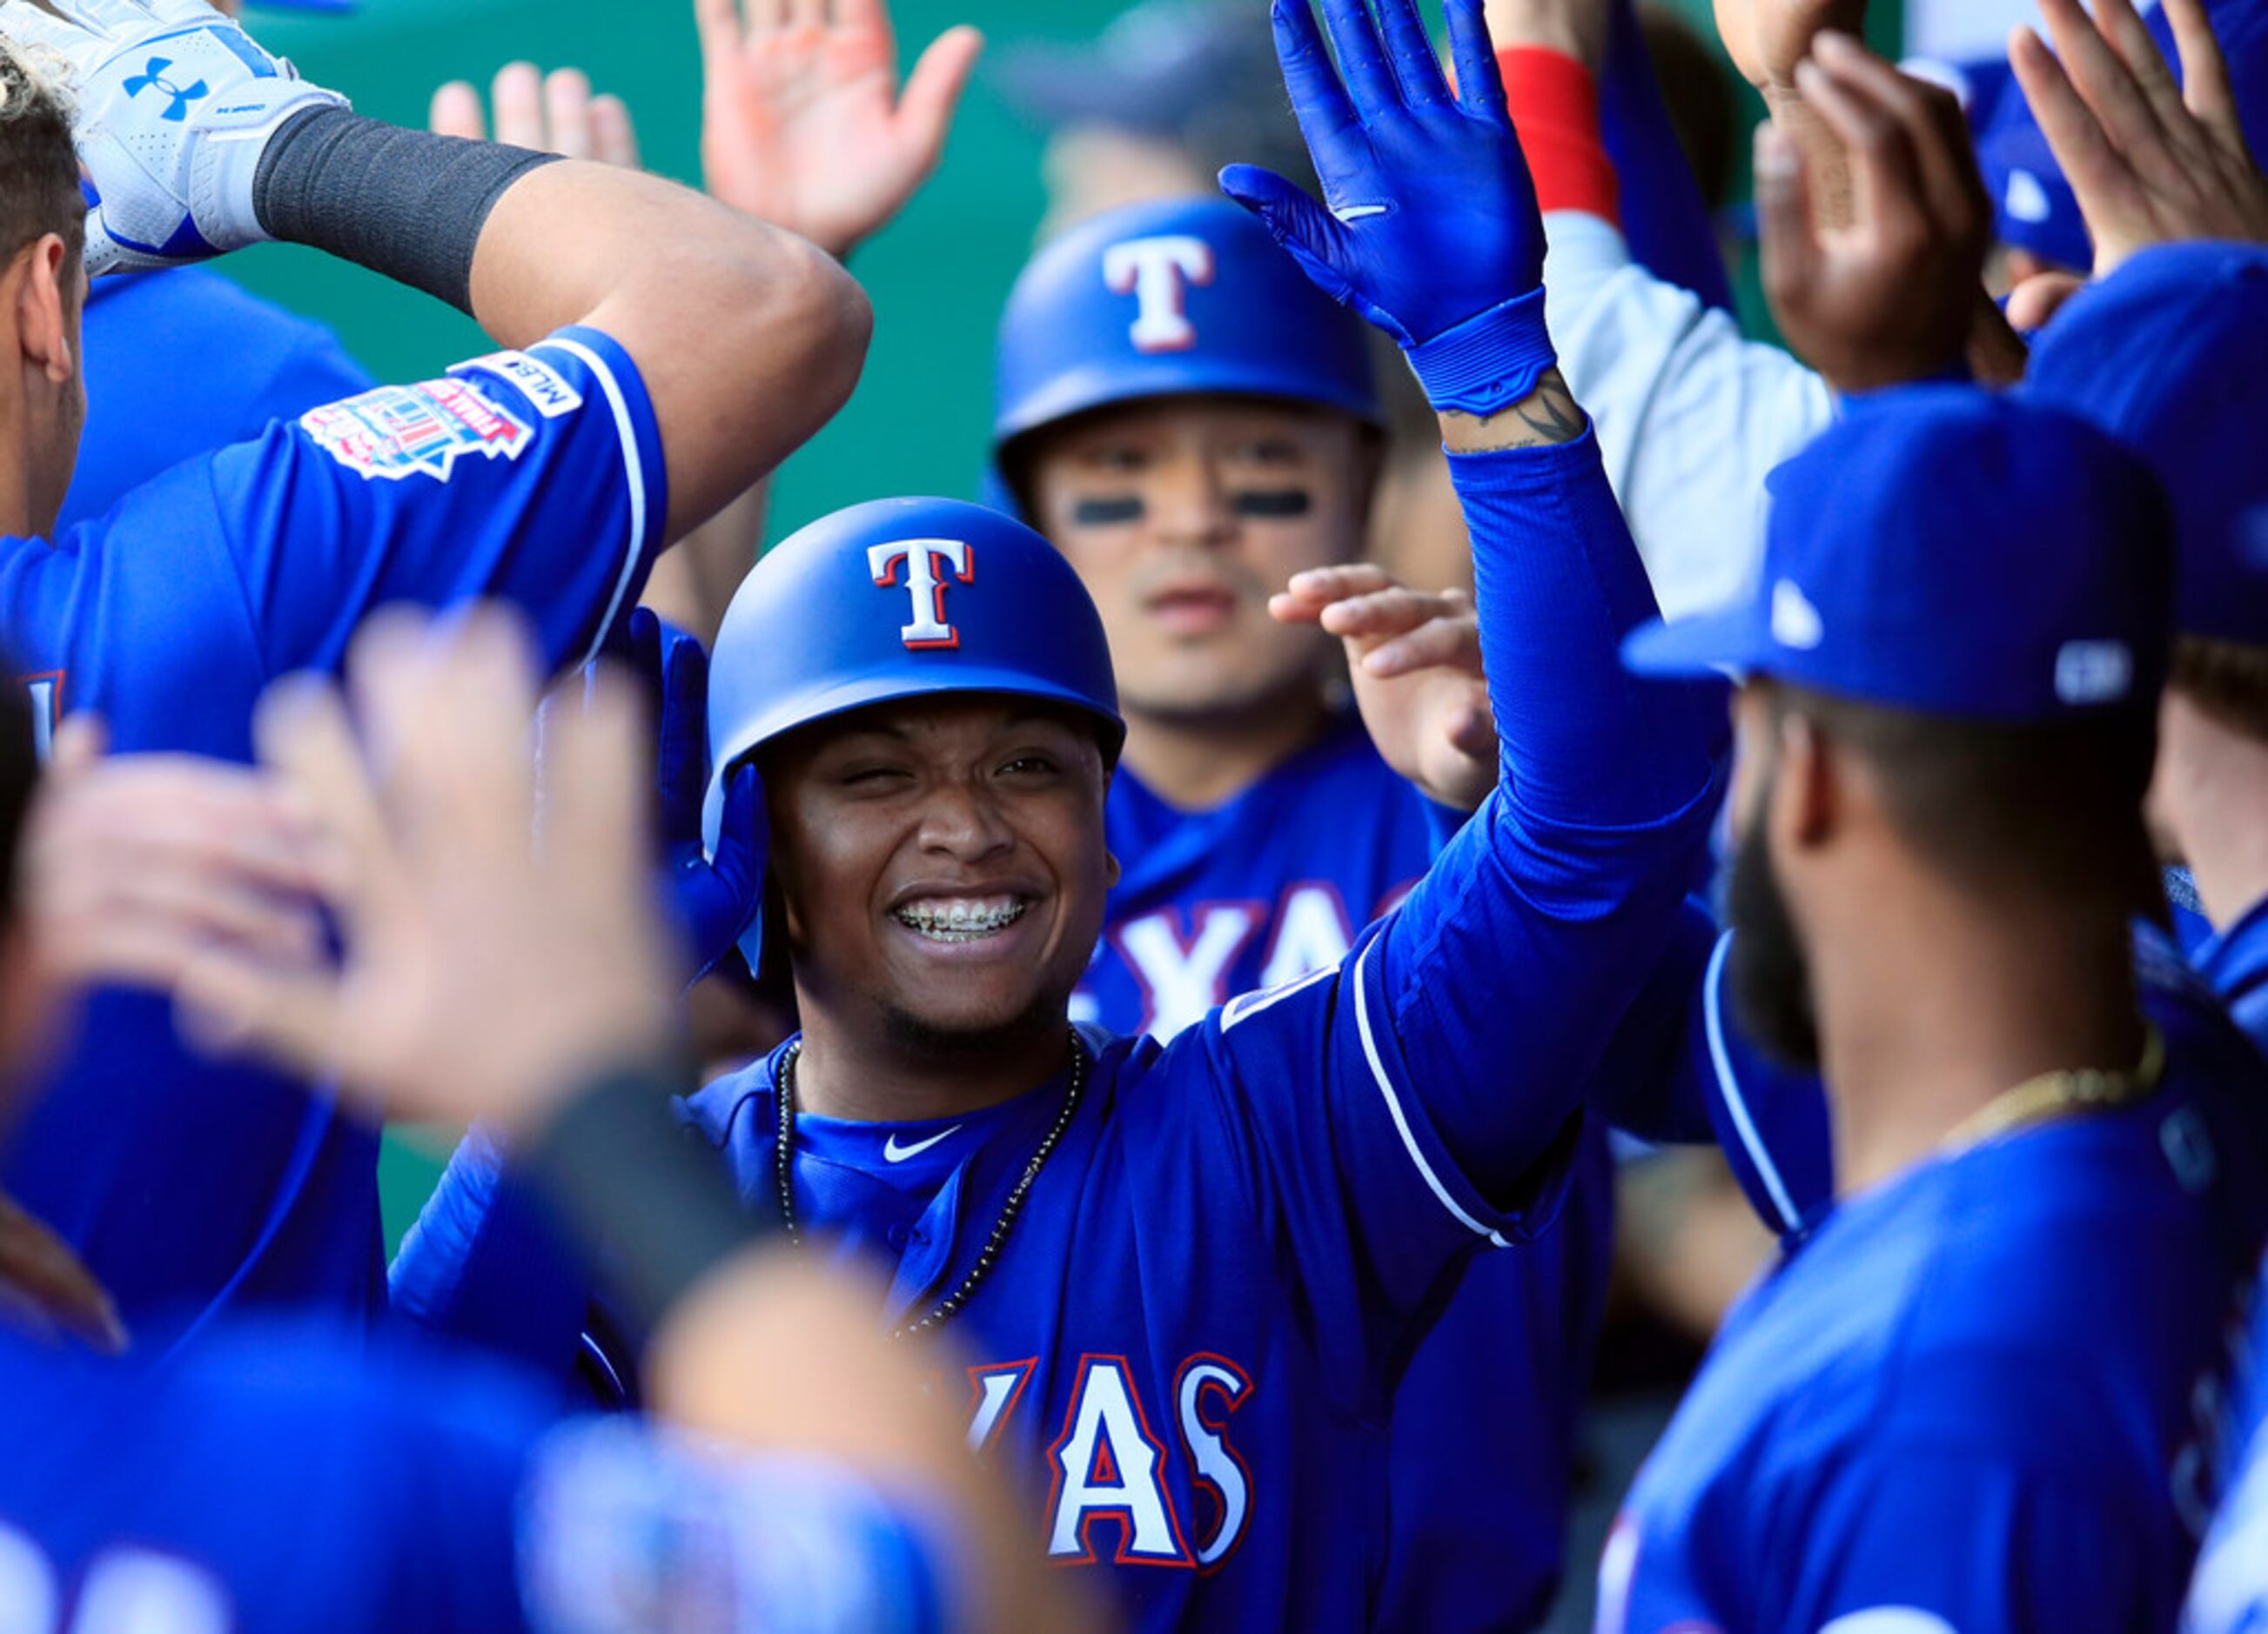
(1166, 298)
(900, 599)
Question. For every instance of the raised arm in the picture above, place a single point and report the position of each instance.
(746, 337)
(1491, 992)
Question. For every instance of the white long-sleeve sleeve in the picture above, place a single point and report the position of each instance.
(1692, 417)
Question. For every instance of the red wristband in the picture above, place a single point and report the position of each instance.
(1555, 107)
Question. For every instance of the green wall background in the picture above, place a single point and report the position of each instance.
(938, 276)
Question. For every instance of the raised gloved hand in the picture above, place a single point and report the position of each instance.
(716, 899)
(174, 106)
(1432, 231)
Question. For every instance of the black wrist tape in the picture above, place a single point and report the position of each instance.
(406, 204)
(631, 1179)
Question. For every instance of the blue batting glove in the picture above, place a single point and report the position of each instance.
(716, 899)
(1432, 231)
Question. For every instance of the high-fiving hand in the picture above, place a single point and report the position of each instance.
(552, 113)
(493, 964)
(1428, 227)
(803, 122)
(1893, 295)
(1768, 38)
(2152, 161)
(1415, 658)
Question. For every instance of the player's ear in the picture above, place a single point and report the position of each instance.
(1807, 793)
(1111, 871)
(46, 299)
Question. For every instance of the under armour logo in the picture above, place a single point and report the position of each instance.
(925, 559)
(153, 76)
(1157, 273)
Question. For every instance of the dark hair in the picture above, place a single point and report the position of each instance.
(2227, 680)
(39, 164)
(2012, 812)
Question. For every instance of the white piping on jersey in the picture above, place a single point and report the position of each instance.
(1721, 1058)
(632, 469)
(1394, 1104)
(1246, 1005)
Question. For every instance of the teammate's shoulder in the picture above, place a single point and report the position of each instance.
(204, 307)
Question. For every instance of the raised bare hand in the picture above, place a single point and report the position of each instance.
(1415, 657)
(2151, 161)
(552, 113)
(1767, 38)
(803, 122)
(1893, 296)
(493, 963)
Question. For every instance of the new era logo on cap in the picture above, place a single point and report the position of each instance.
(1795, 622)
(2027, 198)
(2094, 671)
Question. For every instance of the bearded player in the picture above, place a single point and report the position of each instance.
(2048, 1168)
(1194, 1273)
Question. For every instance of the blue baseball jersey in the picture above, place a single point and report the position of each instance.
(1189, 1347)
(535, 477)
(1772, 1122)
(2229, 1594)
(287, 1478)
(1269, 886)
(1891, 1432)
(183, 362)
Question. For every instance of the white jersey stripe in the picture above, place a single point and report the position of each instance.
(1394, 1105)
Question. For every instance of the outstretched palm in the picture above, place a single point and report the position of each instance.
(803, 123)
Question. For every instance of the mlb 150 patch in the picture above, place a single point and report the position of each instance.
(397, 431)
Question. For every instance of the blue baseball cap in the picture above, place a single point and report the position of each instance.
(2170, 355)
(1950, 553)
(2035, 206)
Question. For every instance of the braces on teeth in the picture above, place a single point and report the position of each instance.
(961, 922)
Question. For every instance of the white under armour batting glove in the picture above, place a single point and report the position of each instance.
(173, 107)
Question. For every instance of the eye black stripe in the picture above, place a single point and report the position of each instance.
(1273, 502)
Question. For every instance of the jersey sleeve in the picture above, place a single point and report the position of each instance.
(533, 477)
(486, 1265)
(1691, 415)
(1500, 979)
(1927, 1539)
(1390, 1116)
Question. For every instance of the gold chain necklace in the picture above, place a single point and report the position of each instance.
(2059, 1094)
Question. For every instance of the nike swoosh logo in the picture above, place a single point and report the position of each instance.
(893, 1152)
(1359, 212)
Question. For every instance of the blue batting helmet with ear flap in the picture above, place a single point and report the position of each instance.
(900, 599)
(1168, 299)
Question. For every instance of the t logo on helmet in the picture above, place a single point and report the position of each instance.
(925, 560)
(1157, 273)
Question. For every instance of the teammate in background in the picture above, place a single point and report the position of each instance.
(1193, 1272)
(180, 362)
(676, 351)
(288, 1476)
(2170, 355)
(2049, 1185)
